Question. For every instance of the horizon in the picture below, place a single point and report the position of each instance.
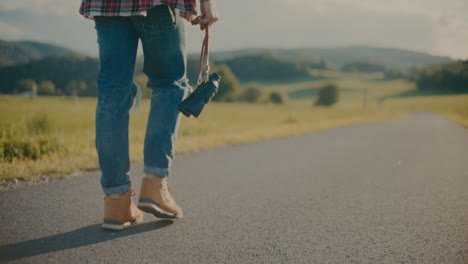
(192, 53)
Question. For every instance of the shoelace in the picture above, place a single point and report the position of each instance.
(169, 187)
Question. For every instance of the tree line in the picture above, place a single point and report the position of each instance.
(76, 75)
(451, 77)
(71, 75)
(389, 72)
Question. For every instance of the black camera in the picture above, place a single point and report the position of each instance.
(194, 104)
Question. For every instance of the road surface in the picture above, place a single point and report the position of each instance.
(388, 192)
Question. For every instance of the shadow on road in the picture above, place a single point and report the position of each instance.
(85, 236)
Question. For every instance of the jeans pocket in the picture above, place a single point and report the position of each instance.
(160, 19)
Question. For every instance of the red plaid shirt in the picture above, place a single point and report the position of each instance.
(91, 8)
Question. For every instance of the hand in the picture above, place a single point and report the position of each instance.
(209, 15)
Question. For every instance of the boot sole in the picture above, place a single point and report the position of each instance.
(120, 227)
(157, 211)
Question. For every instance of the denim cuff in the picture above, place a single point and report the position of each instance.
(118, 189)
(158, 171)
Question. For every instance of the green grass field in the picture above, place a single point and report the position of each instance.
(71, 122)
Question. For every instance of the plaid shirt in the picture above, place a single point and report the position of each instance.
(91, 8)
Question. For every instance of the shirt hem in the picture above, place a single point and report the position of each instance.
(187, 14)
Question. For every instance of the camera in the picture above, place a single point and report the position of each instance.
(194, 104)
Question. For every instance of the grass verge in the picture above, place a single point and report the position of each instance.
(454, 107)
(72, 125)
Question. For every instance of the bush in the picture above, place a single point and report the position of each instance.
(34, 149)
(229, 88)
(17, 145)
(38, 124)
(46, 88)
(278, 97)
(252, 94)
(74, 88)
(26, 85)
(327, 95)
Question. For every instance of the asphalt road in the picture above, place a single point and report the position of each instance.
(388, 192)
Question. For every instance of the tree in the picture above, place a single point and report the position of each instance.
(73, 88)
(446, 78)
(46, 88)
(327, 94)
(90, 91)
(26, 85)
(278, 97)
(59, 70)
(229, 88)
(252, 94)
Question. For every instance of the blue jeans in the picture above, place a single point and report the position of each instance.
(162, 36)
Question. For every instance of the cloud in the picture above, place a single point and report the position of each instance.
(405, 21)
(10, 32)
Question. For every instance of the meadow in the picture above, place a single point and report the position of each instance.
(70, 122)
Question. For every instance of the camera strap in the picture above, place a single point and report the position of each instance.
(204, 74)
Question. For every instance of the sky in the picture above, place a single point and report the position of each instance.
(438, 27)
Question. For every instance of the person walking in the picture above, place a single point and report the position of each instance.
(159, 25)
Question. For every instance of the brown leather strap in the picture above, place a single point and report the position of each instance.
(204, 59)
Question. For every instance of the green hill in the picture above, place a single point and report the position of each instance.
(12, 52)
(39, 61)
(59, 70)
(264, 67)
(337, 57)
(270, 67)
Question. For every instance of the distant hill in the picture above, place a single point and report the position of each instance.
(261, 67)
(337, 57)
(59, 70)
(39, 61)
(264, 67)
(13, 52)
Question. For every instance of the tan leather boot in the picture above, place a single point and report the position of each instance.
(121, 212)
(156, 198)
